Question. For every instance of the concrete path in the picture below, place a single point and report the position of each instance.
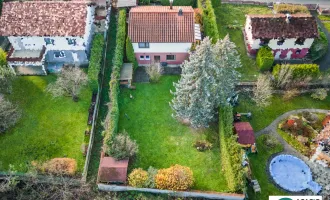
(322, 3)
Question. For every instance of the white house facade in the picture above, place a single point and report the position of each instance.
(161, 34)
(46, 35)
(289, 36)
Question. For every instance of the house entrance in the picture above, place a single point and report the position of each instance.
(156, 59)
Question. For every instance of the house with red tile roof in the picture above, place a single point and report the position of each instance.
(45, 35)
(289, 36)
(161, 33)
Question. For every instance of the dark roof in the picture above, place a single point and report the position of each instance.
(245, 133)
(160, 24)
(276, 26)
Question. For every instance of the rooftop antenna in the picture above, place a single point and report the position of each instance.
(171, 4)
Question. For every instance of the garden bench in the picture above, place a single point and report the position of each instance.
(256, 186)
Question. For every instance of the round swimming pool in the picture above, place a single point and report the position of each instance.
(290, 173)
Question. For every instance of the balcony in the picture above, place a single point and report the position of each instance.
(26, 55)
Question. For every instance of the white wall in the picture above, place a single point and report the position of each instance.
(163, 48)
(60, 43)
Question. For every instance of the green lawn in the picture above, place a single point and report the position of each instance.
(162, 140)
(48, 128)
(262, 117)
(324, 17)
(234, 15)
(258, 164)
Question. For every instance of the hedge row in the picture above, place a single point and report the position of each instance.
(319, 47)
(209, 20)
(231, 151)
(265, 58)
(290, 8)
(130, 53)
(95, 60)
(300, 70)
(180, 3)
(114, 82)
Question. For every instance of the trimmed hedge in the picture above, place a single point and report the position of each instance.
(319, 47)
(300, 70)
(130, 53)
(192, 3)
(95, 60)
(290, 8)
(231, 151)
(114, 83)
(265, 58)
(209, 20)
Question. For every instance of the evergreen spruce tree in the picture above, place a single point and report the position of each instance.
(207, 80)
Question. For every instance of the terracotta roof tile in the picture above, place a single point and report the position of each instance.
(245, 133)
(160, 24)
(41, 18)
(275, 26)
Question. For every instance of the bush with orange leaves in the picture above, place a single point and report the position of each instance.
(176, 177)
(58, 166)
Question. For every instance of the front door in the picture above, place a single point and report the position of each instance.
(156, 59)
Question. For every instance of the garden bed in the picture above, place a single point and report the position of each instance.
(49, 128)
(163, 141)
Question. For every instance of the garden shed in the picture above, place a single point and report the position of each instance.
(245, 134)
(112, 170)
(126, 74)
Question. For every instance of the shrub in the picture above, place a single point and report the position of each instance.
(269, 141)
(58, 166)
(151, 182)
(320, 94)
(144, 2)
(299, 71)
(290, 8)
(179, 3)
(176, 177)
(290, 94)
(123, 147)
(209, 20)
(138, 178)
(265, 58)
(202, 145)
(130, 53)
(319, 47)
(230, 151)
(113, 111)
(263, 90)
(155, 72)
(9, 115)
(95, 60)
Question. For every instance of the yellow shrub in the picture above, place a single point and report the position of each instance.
(138, 178)
(58, 166)
(176, 177)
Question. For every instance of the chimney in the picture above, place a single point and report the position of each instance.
(288, 17)
(171, 4)
(180, 12)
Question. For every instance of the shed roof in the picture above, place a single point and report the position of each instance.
(160, 24)
(43, 18)
(126, 72)
(245, 133)
(112, 170)
(275, 26)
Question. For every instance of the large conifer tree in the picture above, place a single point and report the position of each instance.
(207, 80)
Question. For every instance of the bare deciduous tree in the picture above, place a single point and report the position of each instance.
(9, 115)
(284, 78)
(69, 82)
(155, 72)
(262, 92)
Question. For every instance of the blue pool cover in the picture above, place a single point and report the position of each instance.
(292, 174)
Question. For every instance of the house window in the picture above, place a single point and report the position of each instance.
(49, 41)
(298, 52)
(59, 54)
(144, 45)
(141, 57)
(300, 41)
(170, 57)
(280, 41)
(264, 42)
(71, 41)
(147, 57)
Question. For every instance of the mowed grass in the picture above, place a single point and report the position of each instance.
(234, 15)
(162, 140)
(258, 164)
(49, 127)
(262, 117)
